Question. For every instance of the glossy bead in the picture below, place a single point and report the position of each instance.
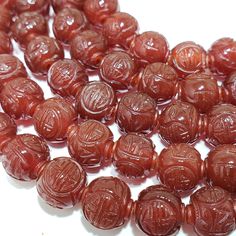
(89, 48)
(97, 11)
(120, 28)
(6, 45)
(53, 117)
(179, 123)
(68, 23)
(230, 86)
(180, 167)
(90, 144)
(65, 77)
(5, 19)
(61, 182)
(158, 211)
(134, 156)
(107, 203)
(188, 58)
(137, 112)
(117, 69)
(221, 125)
(27, 26)
(41, 53)
(211, 212)
(24, 155)
(20, 97)
(97, 100)
(62, 4)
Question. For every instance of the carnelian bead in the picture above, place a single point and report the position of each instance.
(188, 58)
(89, 47)
(65, 77)
(221, 167)
(221, 125)
(117, 69)
(158, 211)
(107, 203)
(68, 23)
(5, 19)
(61, 182)
(120, 28)
(20, 97)
(90, 144)
(180, 167)
(41, 53)
(137, 112)
(6, 45)
(97, 100)
(24, 155)
(134, 156)
(62, 4)
(230, 87)
(53, 117)
(211, 212)
(179, 123)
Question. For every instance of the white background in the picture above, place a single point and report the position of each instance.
(22, 212)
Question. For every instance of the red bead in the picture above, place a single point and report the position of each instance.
(97, 100)
(27, 26)
(61, 182)
(90, 144)
(179, 123)
(41, 53)
(68, 23)
(211, 212)
(62, 4)
(53, 117)
(97, 11)
(188, 58)
(20, 97)
(9, 4)
(89, 47)
(5, 19)
(65, 77)
(6, 45)
(24, 155)
(137, 112)
(180, 167)
(158, 211)
(107, 203)
(230, 86)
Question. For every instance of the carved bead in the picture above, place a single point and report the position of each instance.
(136, 112)
(107, 203)
(97, 100)
(24, 155)
(65, 77)
(179, 123)
(41, 53)
(6, 45)
(90, 144)
(211, 212)
(62, 4)
(53, 117)
(180, 167)
(20, 97)
(61, 182)
(5, 19)
(230, 86)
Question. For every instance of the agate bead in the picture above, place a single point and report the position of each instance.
(6, 45)
(62, 4)
(5, 19)
(230, 88)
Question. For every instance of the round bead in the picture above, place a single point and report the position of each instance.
(188, 58)
(61, 182)
(20, 97)
(5, 19)
(221, 125)
(158, 211)
(62, 4)
(53, 117)
(180, 167)
(41, 53)
(133, 156)
(97, 100)
(27, 26)
(230, 86)
(107, 203)
(90, 144)
(97, 11)
(179, 123)
(120, 28)
(68, 23)
(6, 45)
(117, 69)
(24, 155)
(89, 47)
(65, 77)
(137, 112)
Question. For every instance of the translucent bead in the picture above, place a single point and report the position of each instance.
(230, 86)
